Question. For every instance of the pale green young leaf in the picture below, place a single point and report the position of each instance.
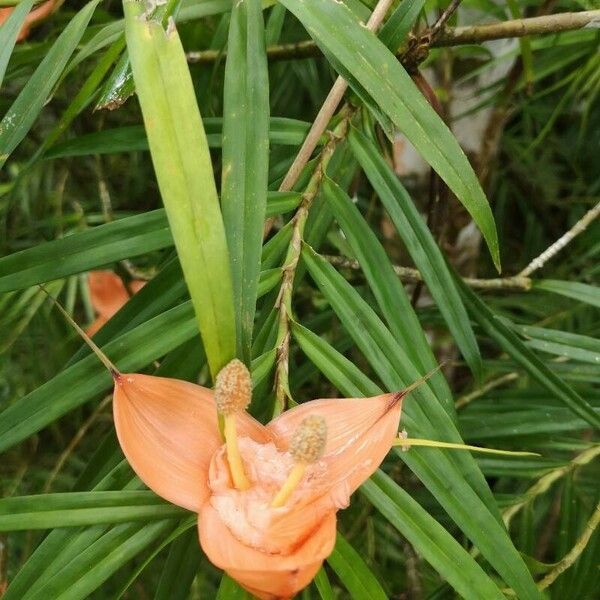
(173, 125)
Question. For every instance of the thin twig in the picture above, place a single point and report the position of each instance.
(546, 255)
(327, 110)
(515, 283)
(450, 36)
(490, 385)
(543, 484)
(575, 551)
(437, 27)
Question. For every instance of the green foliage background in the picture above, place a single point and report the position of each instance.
(182, 202)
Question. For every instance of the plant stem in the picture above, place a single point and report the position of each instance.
(327, 110)
(543, 484)
(561, 242)
(284, 299)
(515, 283)
(575, 551)
(450, 36)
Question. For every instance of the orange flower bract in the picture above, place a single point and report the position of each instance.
(108, 294)
(168, 431)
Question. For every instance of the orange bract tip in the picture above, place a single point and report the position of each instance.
(233, 388)
(308, 442)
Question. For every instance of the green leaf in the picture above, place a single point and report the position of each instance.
(374, 72)
(570, 289)
(561, 343)
(399, 23)
(245, 160)
(386, 287)
(509, 341)
(420, 244)
(180, 568)
(82, 508)
(430, 539)
(284, 132)
(94, 565)
(82, 381)
(87, 250)
(185, 179)
(25, 109)
(356, 576)
(231, 590)
(10, 31)
(453, 478)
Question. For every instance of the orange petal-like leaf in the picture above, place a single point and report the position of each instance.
(360, 432)
(267, 576)
(108, 292)
(167, 429)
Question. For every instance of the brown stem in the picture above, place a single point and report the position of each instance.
(450, 36)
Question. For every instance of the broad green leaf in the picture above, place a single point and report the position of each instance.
(29, 103)
(82, 508)
(186, 181)
(386, 287)
(420, 244)
(429, 538)
(245, 160)
(356, 576)
(571, 289)
(453, 478)
(372, 70)
(497, 329)
(10, 31)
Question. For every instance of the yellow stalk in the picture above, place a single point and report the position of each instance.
(291, 483)
(236, 466)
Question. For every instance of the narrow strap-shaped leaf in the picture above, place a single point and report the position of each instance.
(509, 341)
(10, 31)
(445, 474)
(245, 159)
(430, 539)
(394, 366)
(83, 380)
(570, 289)
(27, 106)
(282, 131)
(82, 508)
(387, 288)
(354, 572)
(183, 168)
(231, 590)
(361, 59)
(102, 245)
(180, 568)
(105, 556)
(396, 28)
(420, 244)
